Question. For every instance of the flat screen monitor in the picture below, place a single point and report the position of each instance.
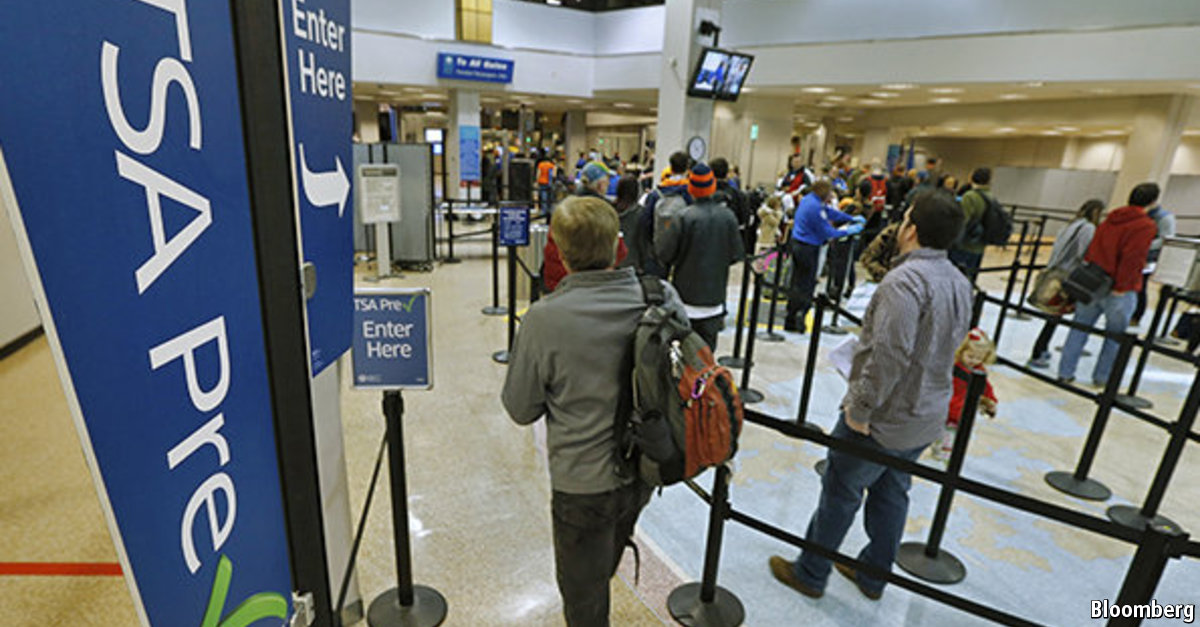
(720, 74)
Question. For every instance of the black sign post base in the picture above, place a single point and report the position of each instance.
(406, 605)
(428, 609)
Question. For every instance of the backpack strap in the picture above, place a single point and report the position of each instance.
(652, 290)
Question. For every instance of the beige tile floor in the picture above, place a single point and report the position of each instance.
(478, 490)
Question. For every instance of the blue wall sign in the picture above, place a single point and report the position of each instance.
(392, 331)
(465, 67)
(514, 226)
(469, 165)
(145, 275)
(317, 35)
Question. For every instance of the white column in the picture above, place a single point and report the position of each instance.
(680, 117)
(1157, 130)
(464, 111)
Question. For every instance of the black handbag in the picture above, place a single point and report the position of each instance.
(1087, 283)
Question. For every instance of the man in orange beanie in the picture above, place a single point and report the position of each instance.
(707, 241)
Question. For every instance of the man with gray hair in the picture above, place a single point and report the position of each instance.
(570, 362)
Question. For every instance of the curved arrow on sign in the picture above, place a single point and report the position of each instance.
(325, 188)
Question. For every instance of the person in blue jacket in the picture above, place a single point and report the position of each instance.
(814, 225)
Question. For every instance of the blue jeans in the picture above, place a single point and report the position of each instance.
(546, 198)
(1116, 309)
(841, 495)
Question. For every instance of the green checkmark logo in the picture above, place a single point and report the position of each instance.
(260, 606)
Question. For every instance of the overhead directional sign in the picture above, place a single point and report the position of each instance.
(392, 331)
(465, 67)
(317, 47)
(144, 267)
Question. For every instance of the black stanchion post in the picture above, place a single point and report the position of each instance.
(1033, 255)
(450, 258)
(770, 335)
(407, 604)
(927, 560)
(1078, 484)
(1146, 570)
(1130, 397)
(810, 367)
(834, 328)
(1012, 282)
(1166, 332)
(750, 395)
(495, 309)
(706, 604)
(735, 360)
(501, 357)
(1148, 514)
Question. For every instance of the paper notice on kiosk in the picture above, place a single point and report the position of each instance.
(843, 354)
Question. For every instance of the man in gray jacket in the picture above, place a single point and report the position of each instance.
(901, 380)
(570, 364)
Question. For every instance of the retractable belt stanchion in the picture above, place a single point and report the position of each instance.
(926, 560)
(750, 395)
(735, 360)
(1078, 484)
(1033, 255)
(501, 357)
(1130, 397)
(814, 343)
(407, 605)
(833, 328)
(1158, 545)
(1165, 337)
(706, 604)
(977, 307)
(1148, 514)
(495, 309)
(1012, 282)
(770, 335)
(450, 258)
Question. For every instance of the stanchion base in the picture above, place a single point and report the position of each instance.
(1135, 402)
(944, 569)
(770, 336)
(726, 610)
(500, 357)
(1085, 353)
(821, 466)
(495, 311)
(729, 361)
(1132, 517)
(452, 260)
(1170, 342)
(810, 426)
(751, 395)
(1088, 489)
(832, 330)
(1020, 316)
(428, 609)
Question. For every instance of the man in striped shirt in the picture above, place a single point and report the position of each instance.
(900, 386)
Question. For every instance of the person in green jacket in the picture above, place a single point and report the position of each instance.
(968, 252)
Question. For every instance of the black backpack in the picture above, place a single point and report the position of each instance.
(994, 227)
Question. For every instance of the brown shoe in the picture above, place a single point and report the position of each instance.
(782, 570)
(852, 575)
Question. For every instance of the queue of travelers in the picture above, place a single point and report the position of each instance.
(570, 359)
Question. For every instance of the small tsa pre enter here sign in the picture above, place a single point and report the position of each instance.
(392, 347)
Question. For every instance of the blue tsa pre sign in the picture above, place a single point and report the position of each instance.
(392, 333)
(144, 268)
(317, 38)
